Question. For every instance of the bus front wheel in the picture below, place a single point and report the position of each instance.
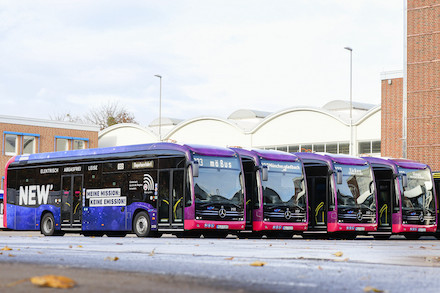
(47, 225)
(141, 224)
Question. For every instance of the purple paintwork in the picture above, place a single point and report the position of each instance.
(332, 158)
(270, 155)
(394, 163)
(206, 150)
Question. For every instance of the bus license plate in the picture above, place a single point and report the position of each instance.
(222, 227)
(287, 228)
(360, 228)
(422, 230)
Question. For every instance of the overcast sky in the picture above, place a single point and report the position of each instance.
(215, 56)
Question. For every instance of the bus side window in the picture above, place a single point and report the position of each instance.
(12, 186)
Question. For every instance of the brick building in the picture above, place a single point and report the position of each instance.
(422, 90)
(27, 136)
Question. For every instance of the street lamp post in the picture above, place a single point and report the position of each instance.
(160, 107)
(351, 100)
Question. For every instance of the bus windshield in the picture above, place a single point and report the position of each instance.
(418, 195)
(356, 190)
(218, 189)
(285, 186)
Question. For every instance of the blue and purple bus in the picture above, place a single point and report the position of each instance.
(143, 189)
(406, 198)
(341, 195)
(276, 196)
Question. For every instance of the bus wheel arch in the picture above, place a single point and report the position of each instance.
(141, 223)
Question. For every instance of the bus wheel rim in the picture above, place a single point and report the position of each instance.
(48, 225)
(142, 225)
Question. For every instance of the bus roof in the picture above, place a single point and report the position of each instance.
(403, 163)
(52, 156)
(271, 155)
(207, 150)
(334, 158)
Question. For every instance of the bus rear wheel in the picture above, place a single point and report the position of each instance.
(141, 224)
(47, 225)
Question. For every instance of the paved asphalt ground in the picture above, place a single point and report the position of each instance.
(169, 264)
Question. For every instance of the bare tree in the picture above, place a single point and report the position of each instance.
(67, 117)
(109, 114)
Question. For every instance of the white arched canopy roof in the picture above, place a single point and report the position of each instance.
(125, 134)
(209, 130)
(300, 125)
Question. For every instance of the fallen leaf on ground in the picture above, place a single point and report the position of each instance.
(112, 258)
(258, 263)
(11, 255)
(6, 248)
(372, 289)
(53, 281)
(338, 254)
(320, 268)
(79, 246)
(151, 253)
(229, 258)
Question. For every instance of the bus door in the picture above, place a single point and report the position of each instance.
(71, 201)
(170, 201)
(318, 201)
(384, 202)
(250, 182)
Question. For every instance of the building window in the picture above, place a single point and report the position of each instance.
(344, 148)
(293, 148)
(79, 144)
(370, 147)
(29, 145)
(11, 145)
(16, 143)
(65, 143)
(306, 148)
(282, 148)
(319, 148)
(62, 144)
(331, 148)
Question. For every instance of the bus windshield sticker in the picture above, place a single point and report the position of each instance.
(281, 166)
(216, 162)
(143, 165)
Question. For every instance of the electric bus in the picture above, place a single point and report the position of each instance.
(341, 195)
(276, 197)
(406, 200)
(143, 189)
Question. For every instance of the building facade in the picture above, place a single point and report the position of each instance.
(21, 136)
(423, 81)
(420, 87)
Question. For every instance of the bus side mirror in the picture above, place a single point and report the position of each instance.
(195, 169)
(338, 176)
(264, 173)
(404, 180)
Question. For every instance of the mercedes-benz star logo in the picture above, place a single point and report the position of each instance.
(421, 217)
(222, 213)
(287, 215)
(359, 216)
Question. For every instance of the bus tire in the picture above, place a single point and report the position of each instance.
(141, 224)
(47, 225)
